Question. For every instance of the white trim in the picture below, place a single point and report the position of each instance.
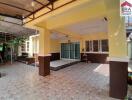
(98, 52)
(56, 52)
(45, 55)
(99, 45)
(92, 45)
(34, 36)
(118, 59)
(27, 46)
(100, 42)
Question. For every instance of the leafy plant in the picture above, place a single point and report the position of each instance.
(18, 41)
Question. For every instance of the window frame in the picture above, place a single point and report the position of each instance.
(98, 49)
(91, 48)
(102, 45)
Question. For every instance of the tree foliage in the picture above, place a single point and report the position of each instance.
(18, 41)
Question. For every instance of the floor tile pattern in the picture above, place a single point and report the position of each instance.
(78, 82)
(61, 62)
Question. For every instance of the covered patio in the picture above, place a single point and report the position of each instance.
(77, 82)
(89, 30)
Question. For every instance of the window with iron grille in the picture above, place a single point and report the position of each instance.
(97, 46)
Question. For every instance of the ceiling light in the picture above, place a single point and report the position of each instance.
(33, 3)
(23, 16)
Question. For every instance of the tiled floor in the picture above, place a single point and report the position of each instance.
(61, 62)
(78, 82)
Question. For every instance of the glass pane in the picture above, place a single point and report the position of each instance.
(65, 50)
(77, 51)
(66, 54)
(90, 46)
(72, 51)
(105, 47)
(72, 55)
(95, 46)
(87, 46)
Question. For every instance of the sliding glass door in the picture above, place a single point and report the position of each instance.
(65, 50)
(77, 51)
(70, 50)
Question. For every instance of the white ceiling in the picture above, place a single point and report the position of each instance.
(56, 35)
(86, 27)
(83, 28)
(7, 26)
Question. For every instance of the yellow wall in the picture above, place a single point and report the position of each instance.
(95, 36)
(54, 46)
(116, 30)
(87, 11)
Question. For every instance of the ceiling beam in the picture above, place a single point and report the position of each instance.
(51, 1)
(51, 9)
(41, 8)
(41, 4)
(38, 2)
(13, 6)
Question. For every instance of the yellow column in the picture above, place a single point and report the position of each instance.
(117, 35)
(118, 59)
(44, 42)
(44, 51)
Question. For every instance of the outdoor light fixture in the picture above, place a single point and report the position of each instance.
(105, 18)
